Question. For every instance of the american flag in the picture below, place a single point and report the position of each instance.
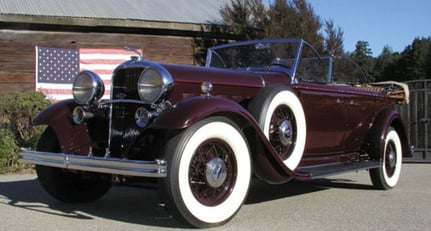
(57, 67)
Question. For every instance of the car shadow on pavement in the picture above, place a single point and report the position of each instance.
(341, 183)
(142, 205)
(261, 192)
(125, 204)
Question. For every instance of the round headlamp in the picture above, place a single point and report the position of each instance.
(87, 87)
(154, 83)
(142, 117)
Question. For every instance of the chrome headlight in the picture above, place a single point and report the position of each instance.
(154, 83)
(87, 87)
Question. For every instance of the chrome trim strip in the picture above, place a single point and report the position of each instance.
(155, 168)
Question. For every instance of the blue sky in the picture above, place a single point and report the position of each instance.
(379, 22)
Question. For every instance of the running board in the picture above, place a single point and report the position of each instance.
(321, 171)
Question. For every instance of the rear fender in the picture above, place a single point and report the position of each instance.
(267, 164)
(73, 138)
(375, 141)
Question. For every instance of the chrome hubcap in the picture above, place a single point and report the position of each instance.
(285, 132)
(216, 172)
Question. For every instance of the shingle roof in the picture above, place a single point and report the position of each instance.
(182, 11)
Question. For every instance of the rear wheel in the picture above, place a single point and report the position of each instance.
(388, 174)
(65, 185)
(209, 173)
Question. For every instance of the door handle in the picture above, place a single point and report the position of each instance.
(353, 103)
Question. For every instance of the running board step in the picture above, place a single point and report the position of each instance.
(321, 171)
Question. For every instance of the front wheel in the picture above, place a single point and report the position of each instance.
(208, 174)
(69, 186)
(388, 174)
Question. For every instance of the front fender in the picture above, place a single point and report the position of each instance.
(71, 137)
(267, 163)
(375, 141)
(191, 110)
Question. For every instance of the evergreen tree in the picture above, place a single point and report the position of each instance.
(382, 62)
(245, 17)
(281, 22)
(281, 19)
(308, 24)
(428, 64)
(363, 57)
(334, 39)
(414, 60)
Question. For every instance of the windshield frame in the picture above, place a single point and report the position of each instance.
(213, 53)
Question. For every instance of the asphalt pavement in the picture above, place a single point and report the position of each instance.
(342, 202)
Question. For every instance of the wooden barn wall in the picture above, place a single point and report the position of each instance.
(17, 51)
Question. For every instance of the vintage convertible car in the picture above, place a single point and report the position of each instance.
(272, 108)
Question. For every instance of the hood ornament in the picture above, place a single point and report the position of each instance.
(136, 51)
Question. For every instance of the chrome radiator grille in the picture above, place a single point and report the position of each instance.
(125, 83)
(123, 127)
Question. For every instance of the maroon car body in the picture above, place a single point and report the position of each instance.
(273, 108)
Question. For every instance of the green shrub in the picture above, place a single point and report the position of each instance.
(8, 149)
(17, 111)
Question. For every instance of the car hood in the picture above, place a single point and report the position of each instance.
(236, 85)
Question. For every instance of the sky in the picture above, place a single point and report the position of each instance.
(395, 23)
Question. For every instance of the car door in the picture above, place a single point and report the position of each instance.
(361, 102)
(324, 106)
(326, 118)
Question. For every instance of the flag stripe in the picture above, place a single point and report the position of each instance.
(97, 67)
(56, 68)
(66, 92)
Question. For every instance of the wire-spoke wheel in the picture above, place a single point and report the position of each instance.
(388, 174)
(281, 117)
(283, 131)
(208, 174)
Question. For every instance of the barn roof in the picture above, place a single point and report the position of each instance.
(176, 11)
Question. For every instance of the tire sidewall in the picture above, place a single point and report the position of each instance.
(391, 181)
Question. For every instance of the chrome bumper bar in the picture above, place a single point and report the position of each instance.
(155, 168)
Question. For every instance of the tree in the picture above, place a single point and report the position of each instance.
(428, 64)
(384, 65)
(281, 19)
(416, 57)
(333, 44)
(308, 24)
(245, 17)
(280, 16)
(414, 60)
(363, 57)
(295, 18)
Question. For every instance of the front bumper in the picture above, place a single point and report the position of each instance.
(155, 168)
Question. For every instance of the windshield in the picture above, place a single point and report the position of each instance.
(255, 54)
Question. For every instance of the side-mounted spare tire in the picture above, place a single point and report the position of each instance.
(281, 117)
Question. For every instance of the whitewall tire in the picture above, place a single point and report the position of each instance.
(388, 174)
(209, 171)
(281, 117)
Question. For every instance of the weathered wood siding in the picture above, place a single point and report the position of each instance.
(17, 51)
